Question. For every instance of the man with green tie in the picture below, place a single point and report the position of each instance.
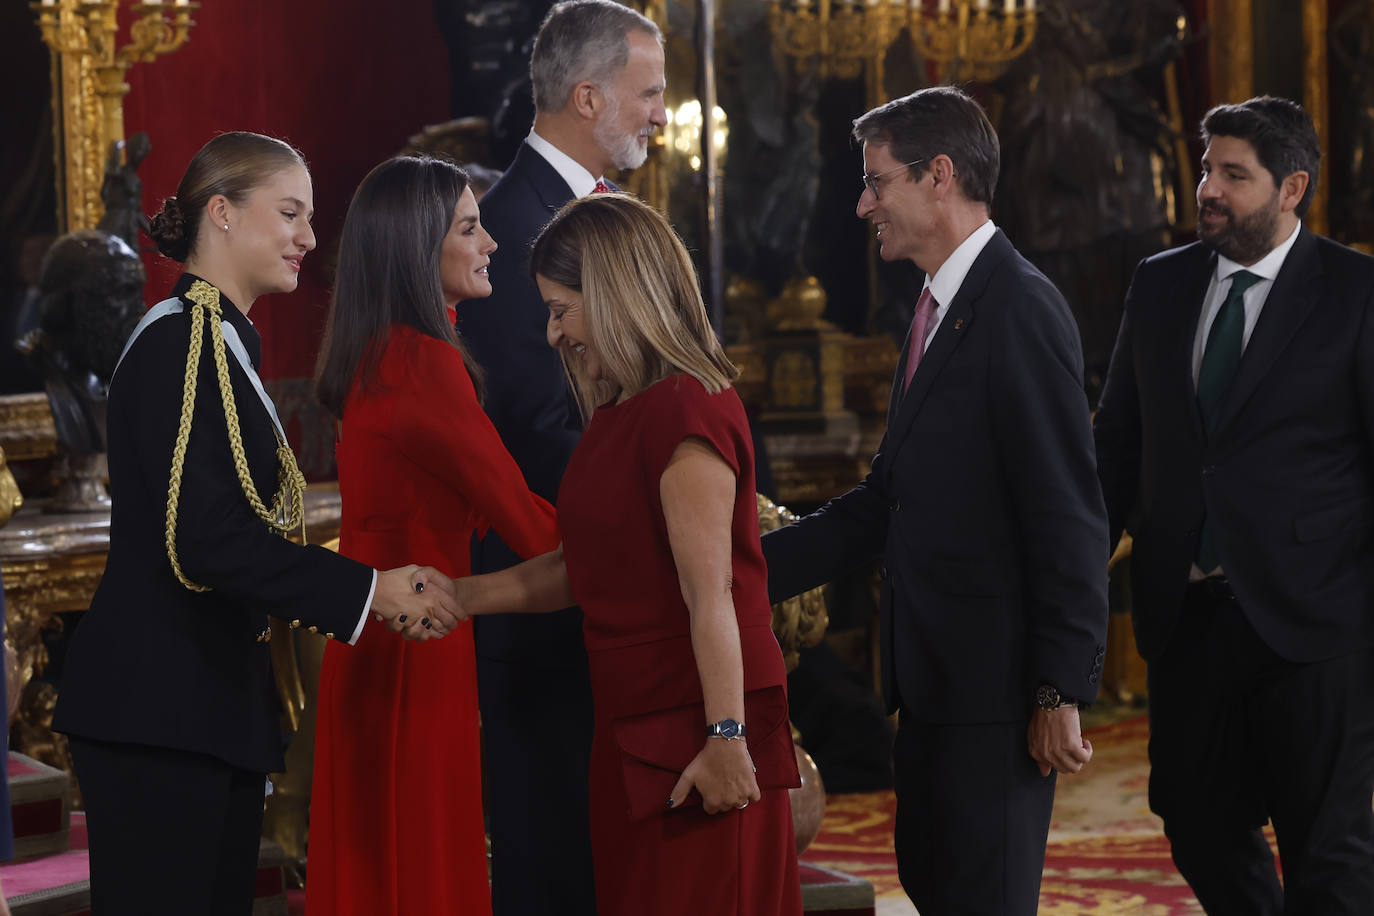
(1235, 441)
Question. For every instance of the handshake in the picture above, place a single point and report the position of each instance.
(419, 602)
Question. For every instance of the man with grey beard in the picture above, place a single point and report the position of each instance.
(1235, 441)
(597, 74)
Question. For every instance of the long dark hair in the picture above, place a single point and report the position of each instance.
(388, 273)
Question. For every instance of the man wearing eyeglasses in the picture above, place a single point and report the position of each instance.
(984, 504)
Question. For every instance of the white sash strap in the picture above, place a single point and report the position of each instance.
(174, 306)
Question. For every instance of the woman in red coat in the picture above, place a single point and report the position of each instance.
(420, 469)
(692, 754)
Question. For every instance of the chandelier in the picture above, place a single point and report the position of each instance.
(974, 39)
(968, 38)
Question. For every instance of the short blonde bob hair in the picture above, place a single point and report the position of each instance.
(640, 299)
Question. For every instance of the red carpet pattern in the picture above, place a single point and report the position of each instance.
(1107, 854)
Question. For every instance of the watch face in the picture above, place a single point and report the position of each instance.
(729, 728)
(1046, 697)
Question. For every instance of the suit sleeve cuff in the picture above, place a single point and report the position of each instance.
(367, 609)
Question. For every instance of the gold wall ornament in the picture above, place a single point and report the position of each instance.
(10, 497)
(89, 67)
(972, 39)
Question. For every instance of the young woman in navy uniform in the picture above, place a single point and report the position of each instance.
(168, 694)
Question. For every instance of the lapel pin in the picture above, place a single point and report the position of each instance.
(958, 323)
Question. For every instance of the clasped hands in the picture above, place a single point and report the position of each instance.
(418, 602)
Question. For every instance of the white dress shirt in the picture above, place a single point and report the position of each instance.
(579, 179)
(944, 286)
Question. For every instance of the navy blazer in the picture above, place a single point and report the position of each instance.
(527, 393)
(1286, 478)
(151, 662)
(984, 503)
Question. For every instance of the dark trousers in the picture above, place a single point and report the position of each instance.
(537, 740)
(973, 816)
(1238, 737)
(172, 833)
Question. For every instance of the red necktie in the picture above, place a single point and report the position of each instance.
(601, 188)
(916, 342)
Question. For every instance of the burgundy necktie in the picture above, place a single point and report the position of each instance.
(916, 341)
(601, 188)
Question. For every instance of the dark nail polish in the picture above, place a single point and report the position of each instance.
(402, 618)
(419, 586)
(424, 622)
(670, 802)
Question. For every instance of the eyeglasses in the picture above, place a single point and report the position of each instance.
(871, 181)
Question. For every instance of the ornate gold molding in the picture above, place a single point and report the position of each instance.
(1231, 50)
(1316, 98)
(88, 67)
(26, 427)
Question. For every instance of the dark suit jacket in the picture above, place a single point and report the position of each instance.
(156, 664)
(1286, 478)
(528, 396)
(984, 502)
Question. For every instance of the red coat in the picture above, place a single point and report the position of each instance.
(396, 814)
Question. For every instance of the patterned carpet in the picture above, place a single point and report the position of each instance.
(1107, 854)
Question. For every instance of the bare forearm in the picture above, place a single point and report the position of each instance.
(537, 586)
(715, 643)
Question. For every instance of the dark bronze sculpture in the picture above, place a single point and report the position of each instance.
(122, 191)
(91, 297)
(1088, 158)
(1352, 172)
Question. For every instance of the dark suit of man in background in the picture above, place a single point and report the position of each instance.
(1235, 440)
(597, 72)
(984, 503)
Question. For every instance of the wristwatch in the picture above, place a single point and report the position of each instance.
(1048, 697)
(728, 729)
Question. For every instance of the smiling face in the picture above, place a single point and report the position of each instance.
(633, 104)
(1239, 205)
(567, 327)
(899, 210)
(466, 254)
(269, 234)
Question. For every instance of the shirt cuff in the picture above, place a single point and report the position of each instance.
(367, 611)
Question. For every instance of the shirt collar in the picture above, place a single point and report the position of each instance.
(1267, 267)
(944, 286)
(581, 181)
(229, 312)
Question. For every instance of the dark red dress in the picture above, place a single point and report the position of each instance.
(649, 716)
(396, 811)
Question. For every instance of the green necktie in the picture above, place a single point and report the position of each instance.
(1219, 361)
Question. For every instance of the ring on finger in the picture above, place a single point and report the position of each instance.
(743, 806)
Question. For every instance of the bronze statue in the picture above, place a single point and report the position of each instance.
(1352, 201)
(122, 191)
(91, 293)
(1088, 161)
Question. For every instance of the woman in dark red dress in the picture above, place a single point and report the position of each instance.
(420, 469)
(692, 753)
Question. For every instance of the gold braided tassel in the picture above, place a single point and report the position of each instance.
(288, 503)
